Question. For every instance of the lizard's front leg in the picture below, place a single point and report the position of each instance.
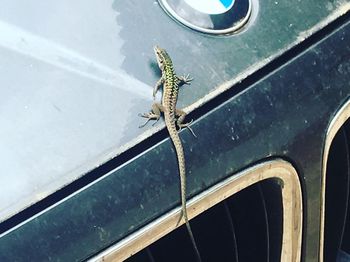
(181, 117)
(184, 80)
(153, 115)
(159, 83)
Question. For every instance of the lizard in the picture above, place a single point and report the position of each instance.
(173, 118)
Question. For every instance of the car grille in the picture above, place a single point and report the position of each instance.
(244, 227)
(255, 215)
(337, 214)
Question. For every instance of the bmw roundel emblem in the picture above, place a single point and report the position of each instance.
(210, 16)
(211, 7)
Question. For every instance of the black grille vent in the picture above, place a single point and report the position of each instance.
(337, 214)
(245, 227)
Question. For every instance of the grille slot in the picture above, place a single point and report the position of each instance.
(244, 227)
(337, 215)
(255, 215)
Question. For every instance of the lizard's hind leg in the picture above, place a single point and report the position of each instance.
(153, 115)
(181, 117)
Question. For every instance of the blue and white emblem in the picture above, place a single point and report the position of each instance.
(211, 7)
(210, 16)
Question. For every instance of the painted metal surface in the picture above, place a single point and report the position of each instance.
(74, 81)
(285, 114)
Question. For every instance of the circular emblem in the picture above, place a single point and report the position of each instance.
(211, 7)
(210, 16)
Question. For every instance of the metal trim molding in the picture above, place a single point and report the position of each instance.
(337, 122)
(292, 211)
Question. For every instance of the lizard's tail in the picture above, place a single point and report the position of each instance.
(198, 255)
(182, 169)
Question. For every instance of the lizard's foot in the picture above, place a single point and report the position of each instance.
(150, 116)
(186, 79)
(187, 125)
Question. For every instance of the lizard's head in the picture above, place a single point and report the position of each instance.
(161, 56)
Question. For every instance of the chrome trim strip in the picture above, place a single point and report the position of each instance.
(292, 211)
(338, 121)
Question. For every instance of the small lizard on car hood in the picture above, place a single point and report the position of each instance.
(173, 118)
